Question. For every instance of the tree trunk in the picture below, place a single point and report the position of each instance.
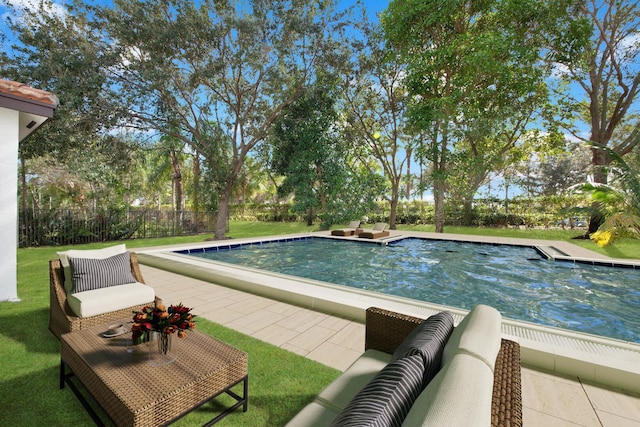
(394, 210)
(310, 217)
(438, 199)
(196, 183)
(599, 161)
(466, 211)
(177, 183)
(223, 214)
(506, 197)
(439, 184)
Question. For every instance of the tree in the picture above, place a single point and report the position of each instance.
(56, 51)
(375, 110)
(221, 73)
(467, 63)
(95, 178)
(307, 149)
(607, 76)
(560, 172)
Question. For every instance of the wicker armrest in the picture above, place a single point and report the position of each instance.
(385, 330)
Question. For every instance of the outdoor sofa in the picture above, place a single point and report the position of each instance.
(475, 375)
(116, 288)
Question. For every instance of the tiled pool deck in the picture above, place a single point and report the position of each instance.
(548, 399)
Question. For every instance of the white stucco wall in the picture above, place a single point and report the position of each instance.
(9, 123)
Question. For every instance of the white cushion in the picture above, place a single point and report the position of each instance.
(460, 395)
(479, 334)
(104, 300)
(314, 414)
(340, 392)
(86, 253)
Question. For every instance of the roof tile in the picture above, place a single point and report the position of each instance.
(23, 91)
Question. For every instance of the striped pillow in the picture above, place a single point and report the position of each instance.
(88, 274)
(428, 338)
(388, 397)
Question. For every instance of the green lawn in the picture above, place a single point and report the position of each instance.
(281, 383)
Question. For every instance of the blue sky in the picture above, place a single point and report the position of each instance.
(372, 6)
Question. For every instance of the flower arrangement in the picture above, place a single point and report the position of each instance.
(177, 318)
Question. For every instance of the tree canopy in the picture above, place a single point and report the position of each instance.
(461, 87)
(474, 74)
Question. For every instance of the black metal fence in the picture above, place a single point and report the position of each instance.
(74, 226)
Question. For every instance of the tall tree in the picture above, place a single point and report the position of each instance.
(467, 62)
(220, 72)
(602, 87)
(375, 110)
(309, 151)
(56, 51)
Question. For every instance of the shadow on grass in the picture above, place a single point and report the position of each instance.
(35, 399)
(29, 327)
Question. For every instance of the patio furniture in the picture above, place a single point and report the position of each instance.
(349, 230)
(478, 382)
(132, 392)
(378, 231)
(63, 319)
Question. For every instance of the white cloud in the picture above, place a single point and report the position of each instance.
(559, 70)
(34, 6)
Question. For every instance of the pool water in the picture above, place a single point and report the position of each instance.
(518, 281)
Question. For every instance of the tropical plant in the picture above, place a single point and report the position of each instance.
(617, 202)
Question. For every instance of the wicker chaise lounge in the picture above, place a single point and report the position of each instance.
(62, 319)
(378, 231)
(348, 230)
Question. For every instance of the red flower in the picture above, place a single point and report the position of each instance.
(177, 318)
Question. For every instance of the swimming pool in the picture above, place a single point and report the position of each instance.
(518, 281)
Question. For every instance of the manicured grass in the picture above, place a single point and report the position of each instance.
(280, 383)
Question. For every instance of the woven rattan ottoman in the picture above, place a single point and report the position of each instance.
(132, 392)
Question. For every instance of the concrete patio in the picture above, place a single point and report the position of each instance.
(548, 400)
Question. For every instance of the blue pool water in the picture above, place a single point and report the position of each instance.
(517, 281)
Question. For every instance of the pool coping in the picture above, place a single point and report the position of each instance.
(609, 362)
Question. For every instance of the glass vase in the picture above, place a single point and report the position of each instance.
(164, 343)
(160, 350)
